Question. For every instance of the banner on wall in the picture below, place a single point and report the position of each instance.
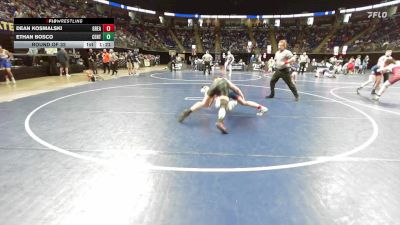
(194, 52)
(6, 26)
(336, 50)
(172, 52)
(269, 49)
(344, 50)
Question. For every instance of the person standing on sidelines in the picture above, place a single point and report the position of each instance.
(271, 65)
(106, 61)
(114, 62)
(173, 63)
(129, 62)
(283, 59)
(365, 64)
(92, 56)
(63, 59)
(136, 62)
(5, 62)
(358, 64)
(294, 68)
(303, 62)
(230, 59)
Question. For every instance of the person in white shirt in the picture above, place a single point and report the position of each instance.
(314, 62)
(271, 64)
(19, 14)
(303, 62)
(357, 64)
(333, 59)
(230, 59)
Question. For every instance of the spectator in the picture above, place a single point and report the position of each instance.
(113, 62)
(63, 59)
(92, 58)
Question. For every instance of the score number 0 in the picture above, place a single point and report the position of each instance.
(108, 28)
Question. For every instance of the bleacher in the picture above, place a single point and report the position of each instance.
(150, 34)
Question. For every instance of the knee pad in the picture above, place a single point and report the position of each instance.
(204, 89)
(221, 113)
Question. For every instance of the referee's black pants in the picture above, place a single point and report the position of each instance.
(285, 75)
(207, 65)
(302, 67)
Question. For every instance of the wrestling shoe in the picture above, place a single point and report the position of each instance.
(184, 114)
(221, 127)
(262, 111)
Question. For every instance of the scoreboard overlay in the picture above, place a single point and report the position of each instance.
(64, 33)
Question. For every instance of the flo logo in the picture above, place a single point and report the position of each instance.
(377, 14)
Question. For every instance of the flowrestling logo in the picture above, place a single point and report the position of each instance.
(380, 15)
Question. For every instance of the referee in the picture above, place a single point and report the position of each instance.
(207, 59)
(92, 61)
(283, 59)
